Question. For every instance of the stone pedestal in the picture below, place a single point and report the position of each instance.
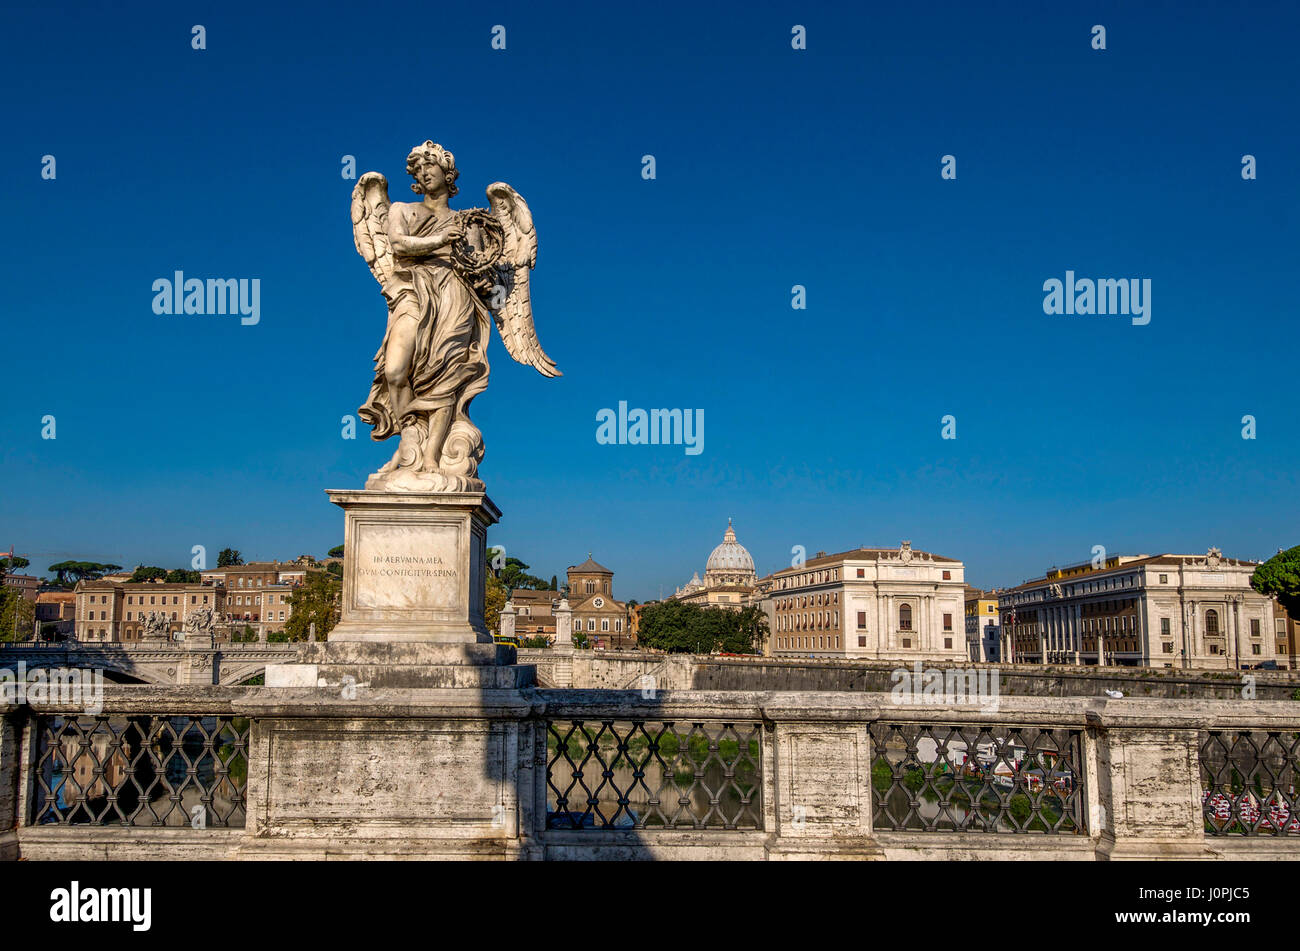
(412, 612)
(351, 665)
(413, 566)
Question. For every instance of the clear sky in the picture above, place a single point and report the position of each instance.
(775, 167)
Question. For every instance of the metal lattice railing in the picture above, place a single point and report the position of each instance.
(1248, 782)
(648, 775)
(141, 771)
(955, 778)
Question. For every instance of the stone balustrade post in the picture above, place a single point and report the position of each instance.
(10, 731)
(1148, 787)
(818, 793)
(562, 673)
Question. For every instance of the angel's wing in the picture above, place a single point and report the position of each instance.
(370, 225)
(513, 309)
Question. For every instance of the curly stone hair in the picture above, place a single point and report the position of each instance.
(431, 151)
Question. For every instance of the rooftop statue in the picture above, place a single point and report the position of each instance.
(446, 275)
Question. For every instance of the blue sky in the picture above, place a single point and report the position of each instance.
(775, 167)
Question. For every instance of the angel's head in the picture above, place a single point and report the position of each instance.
(431, 165)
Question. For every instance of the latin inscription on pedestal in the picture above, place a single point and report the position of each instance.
(408, 566)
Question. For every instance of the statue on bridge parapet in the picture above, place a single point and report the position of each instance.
(156, 626)
(446, 276)
(200, 623)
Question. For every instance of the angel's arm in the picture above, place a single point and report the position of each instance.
(414, 245)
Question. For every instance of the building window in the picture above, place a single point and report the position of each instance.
(591, 623)
(1167, 647)
(947, 622)
(862, 641)
(604, 624)
(947, 643)
(904, 618)
(1211, 623)
(947, 576)
(862, 572)
(907, 642)
(1164, 579)
(1254, 627)
(1214, 648)
(1254, 648)
(1164, 626)
(862, 621)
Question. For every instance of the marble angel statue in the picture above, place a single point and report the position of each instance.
(446, 276)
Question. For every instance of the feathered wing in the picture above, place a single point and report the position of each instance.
(370, 225)
(513, 309)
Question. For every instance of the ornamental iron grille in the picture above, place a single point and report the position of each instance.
(646, 775)
(1248, 782)
(950, 778)
(141, 771)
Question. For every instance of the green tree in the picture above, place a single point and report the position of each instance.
(746, 631)
(70, 572)
(336, 551)
(1280, 578)
(315, 600)
(494, 599)
(17, 615)
(19, 563)
(553, 580)
(143, 573)
(677, 627)
(229, 557)
(183, 576)
(514, 574)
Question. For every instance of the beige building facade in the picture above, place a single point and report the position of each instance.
(601, 619)
(115, 612)
(1193, 611)
(535, 612)
(258, 593)
(870, 603)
